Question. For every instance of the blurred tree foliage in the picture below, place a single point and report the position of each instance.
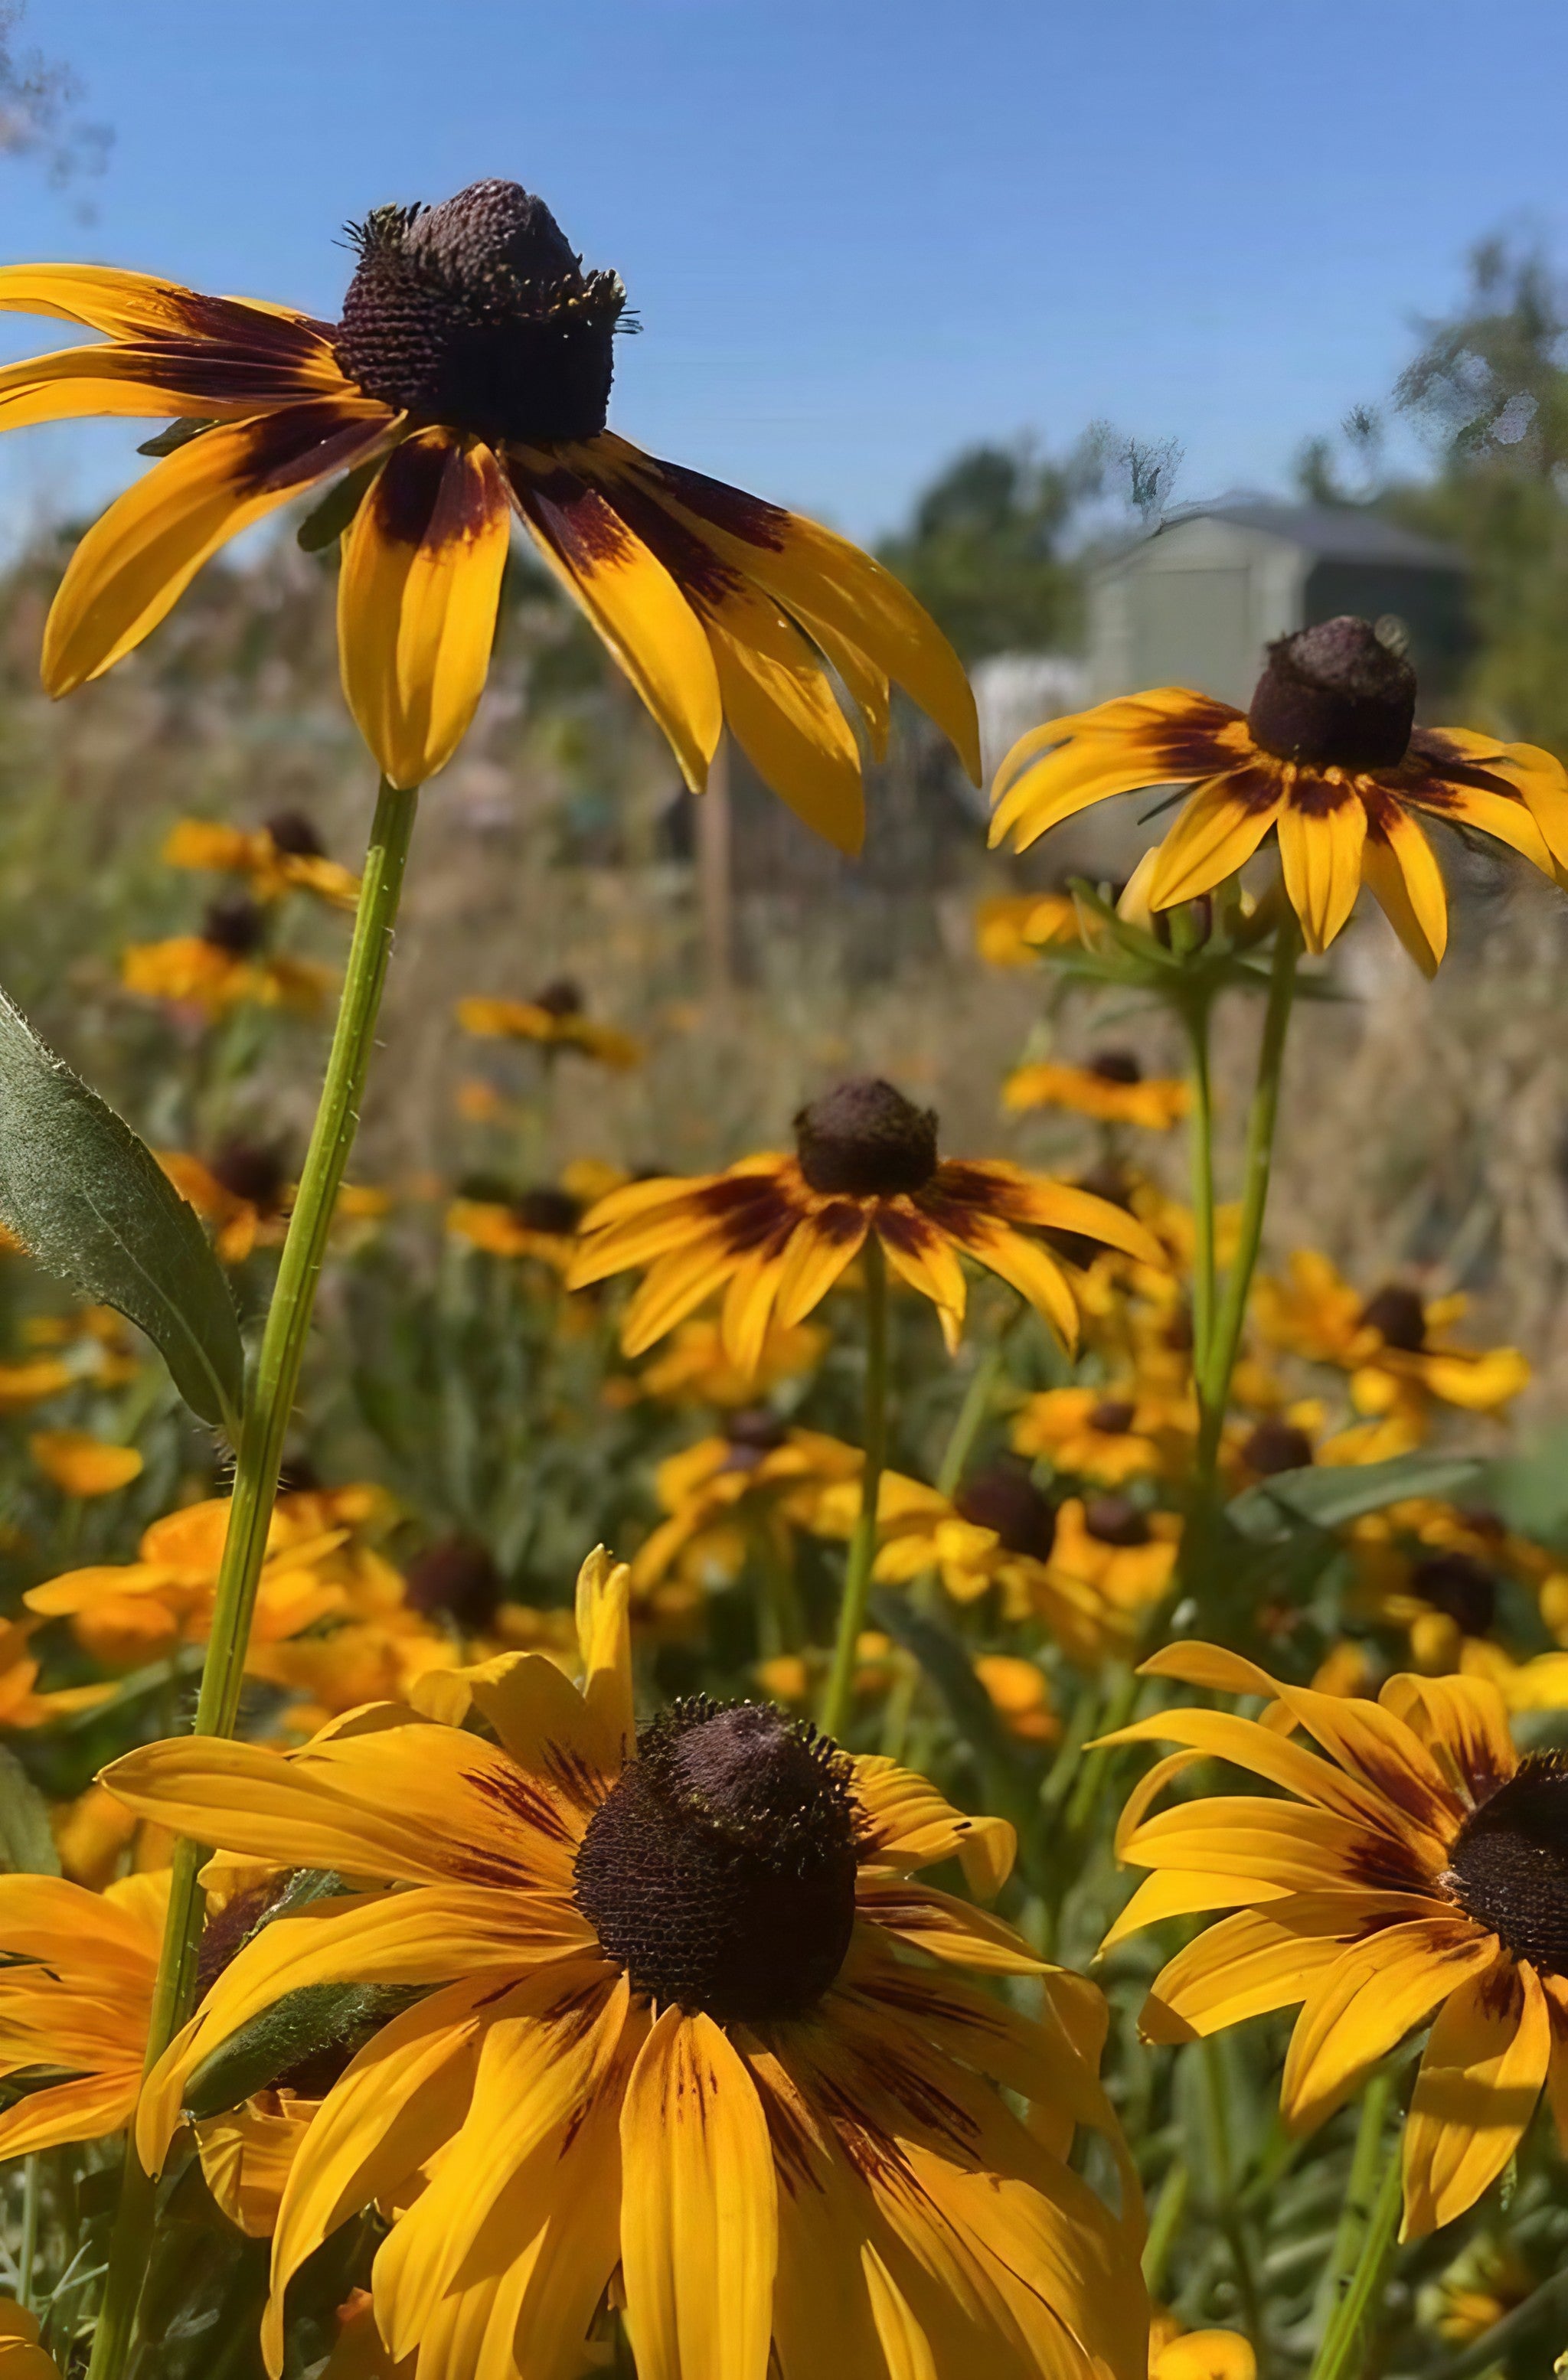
(983, 550)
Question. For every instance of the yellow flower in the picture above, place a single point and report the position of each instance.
(225, 965)
(22, 2357)
(468, 380)
(76, 2000)
(1203, 2355)
(1414, 1875)
(1396, 1336)
(694, 1368)
(21, 1703)
(1021, 1694)
(126, 1613)
(1011, 929)
(95, 1833)
(553, 1019)
(1104, 1433)
(1115, 1560)
(776, 1232)
(1480, 2288)
(1327, 757)
(82, 1466)
(34, 1382)
(758, 1482)
(245, 1193)
(540, 1223)
(285, 856)
(745, 2088)
(1112, 1088)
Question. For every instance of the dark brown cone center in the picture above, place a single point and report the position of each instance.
(1509, 1866)
(456, 1579)
(866, 1140)
(249, 1169)
(1460, 1587)
(293, 832)
(1007, 1499)
(1116, 1520)
(1399, 1316)
(1334, 696)
(1115, 1066)
(561, 997)
(1274, 1446)
(477, 313)
(555, 1212)
(235, 923)
(719, 1871)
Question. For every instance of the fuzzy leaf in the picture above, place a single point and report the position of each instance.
(90, 1202)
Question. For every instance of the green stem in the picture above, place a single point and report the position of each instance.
(1114, 1712)
(1214, 1386)
(1339, 2356)
(1169, 2209)
(268, 1407)
(27, 2258)
(1200, 1132)
(1358, 2202)
(863, 1544)
(1228, 2215)
(972, 1413)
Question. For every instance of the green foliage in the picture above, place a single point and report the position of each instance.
(984, 551)
(26, 1845)
(90, 1202)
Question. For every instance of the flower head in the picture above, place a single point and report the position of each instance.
(1327, 757)
(776, 1232)
(1417, 1874)
(1112, 1088)
(554, 1019)
(284, 855)
(690, 2024)
(467, 382)
(76, 2000)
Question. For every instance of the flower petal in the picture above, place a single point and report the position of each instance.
(1481, 2076)
(1320, 845)
(1216, 833)
(1367, 2001)
(134, 564)
(910, 1826)
(783, 713)
(698, 2209)
(86, 2109)
(603, 1617)
(1407, 885)
(417, 600)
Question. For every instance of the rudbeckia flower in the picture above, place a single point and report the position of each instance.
(76, 2000)
(1414, 1875)
(1328, 758)
(695, 1369)
(758, 1480)
(540, 1223)
(1107, 1547)
(227, 963)
(469, 381)
(1105, 1433)
(1397, 1335)
(554, 1019)
(695, 2039)
(1012, 929)
(1112, 1088)
(285, 854)
(775, 1232)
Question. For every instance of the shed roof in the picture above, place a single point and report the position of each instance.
(1340, 533)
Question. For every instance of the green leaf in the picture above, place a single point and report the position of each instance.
(179, 433)
(1327, 1496)
(90, 1202)
(320, 2019)
(325, 522)
(26, 1845)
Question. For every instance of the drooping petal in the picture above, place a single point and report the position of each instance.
(1480, 2078)
(910, 1826)
(86, 2109)
(632, 601)
(698, 2210)
(1217, 832)
(942, 1928)
(1374, 1995)
(145, 382)
(1407, 882)
(820, 1248)
(134, 564)
(417, 600)
(783, 713)
(1246, 1966)
(1320, 845)
(142, 306)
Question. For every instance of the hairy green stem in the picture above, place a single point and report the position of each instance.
(269, 1406)
(863, 1544)
(1339, 2357)
(1200, 1132)
(1214, 1381)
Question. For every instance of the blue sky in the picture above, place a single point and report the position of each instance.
(859, 233)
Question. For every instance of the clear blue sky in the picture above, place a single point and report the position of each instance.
(859, 233)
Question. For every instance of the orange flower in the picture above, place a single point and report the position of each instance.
(82, 1466)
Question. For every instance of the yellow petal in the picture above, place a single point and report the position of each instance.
(417, 600)
(698, 2210)
(80, 1465)
(1481, 2075)
(1320, 851)
(1367, 2002)
(1217, 832)
(632, 601)
(1407, 885)
(134, 564)
(781, 708)
(603, 1617)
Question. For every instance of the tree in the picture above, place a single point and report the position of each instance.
(983, 552)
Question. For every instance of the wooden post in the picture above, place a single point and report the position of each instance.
(714, 875)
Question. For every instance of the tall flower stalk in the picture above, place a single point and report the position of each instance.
(863, 1544)
(270, 1398)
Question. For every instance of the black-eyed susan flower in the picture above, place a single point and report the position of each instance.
(1416, 1874)
(1328, 758)
(540, 1222)
(284, 855)
(244, 1190)
(1107, 1434)
(694, 1367)
(1112, 1088)
(775, 1232)
(554, 1019)
(689, 2031)
(469, 381)
(226, 964)
(1398, 1339)
(1012, 929)
(1118, 1559)
(749, 1486)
